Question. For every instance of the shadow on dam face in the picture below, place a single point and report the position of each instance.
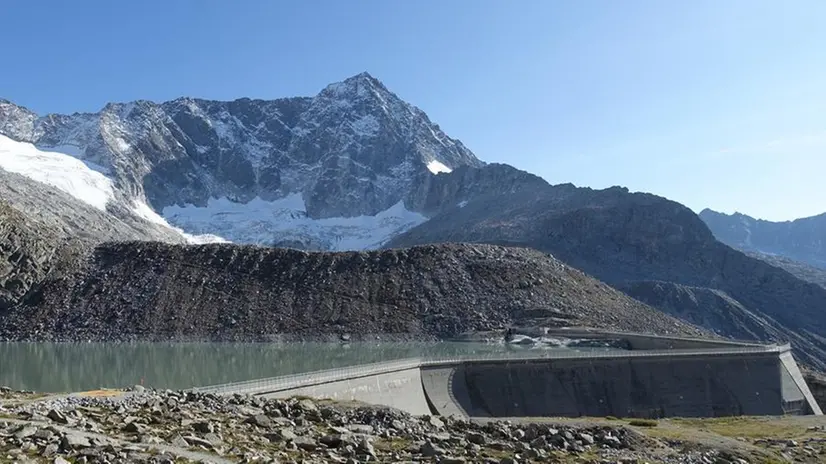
(635, 387)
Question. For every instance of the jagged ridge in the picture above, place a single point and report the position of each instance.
(799, 240)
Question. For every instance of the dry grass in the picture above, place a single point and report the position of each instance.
(747, 427)
(393, 445)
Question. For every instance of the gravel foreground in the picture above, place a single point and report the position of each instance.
(177, 427)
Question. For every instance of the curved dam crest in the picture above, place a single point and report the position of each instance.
(717, 380)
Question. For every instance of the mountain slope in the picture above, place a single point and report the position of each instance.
(28, 251)
(802, 271)
(707, 307)
(231, 292)
(44, 230)
(327, 172)
(802, 240)
(621, 238)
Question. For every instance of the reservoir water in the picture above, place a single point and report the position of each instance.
(65, 367)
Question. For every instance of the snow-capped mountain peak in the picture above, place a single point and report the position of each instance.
(354, 151)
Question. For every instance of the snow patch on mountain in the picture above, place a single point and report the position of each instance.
(83, 180)
(436, 167)
(285, 221)
(142, 210)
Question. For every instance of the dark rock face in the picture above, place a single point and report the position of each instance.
(26, 255)
(229, 292)
(800, 240)
(622, 238)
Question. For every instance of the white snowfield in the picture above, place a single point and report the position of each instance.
(146, 212)
(285, 219)
(80, 179)
(260, 222)
(436, 167)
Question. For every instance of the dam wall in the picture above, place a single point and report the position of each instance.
(709, 382)
(401, 389)
(796, 394)
(646, 387)
(395, 383)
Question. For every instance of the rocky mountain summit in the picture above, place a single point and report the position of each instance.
(298, 171)
(800, 240)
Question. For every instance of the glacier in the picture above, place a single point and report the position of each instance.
(83, 180)
(279, 222)
(285, 222)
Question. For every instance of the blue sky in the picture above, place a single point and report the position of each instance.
(711, 103)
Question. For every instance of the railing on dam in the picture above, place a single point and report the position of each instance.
(287, 382)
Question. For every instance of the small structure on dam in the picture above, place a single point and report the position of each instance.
(657, 377)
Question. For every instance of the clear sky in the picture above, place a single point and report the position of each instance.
(713, 103)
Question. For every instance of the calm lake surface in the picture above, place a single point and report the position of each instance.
(64, 367)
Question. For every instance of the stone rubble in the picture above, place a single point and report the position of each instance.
(167, 426)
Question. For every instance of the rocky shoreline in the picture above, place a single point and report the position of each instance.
(169, 426)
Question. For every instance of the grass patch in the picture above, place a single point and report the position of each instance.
(588, 457)
(746, 427)
(392, 445)
(496, 454)
(643, 423)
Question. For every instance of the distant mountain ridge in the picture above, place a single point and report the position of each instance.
(802, 240)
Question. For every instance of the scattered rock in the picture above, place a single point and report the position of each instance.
(436, 422)
(134, 427)
(74, 441)
(261, 421)
(331, 440)
(57, 416)
(204, 427)
(360, 428)
(365, 447)
(249, 429)
(430, 450)
(305, 443)
(196, 441)
(25, 431)
(476, 438)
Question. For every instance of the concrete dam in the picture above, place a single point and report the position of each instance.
(661, 377)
